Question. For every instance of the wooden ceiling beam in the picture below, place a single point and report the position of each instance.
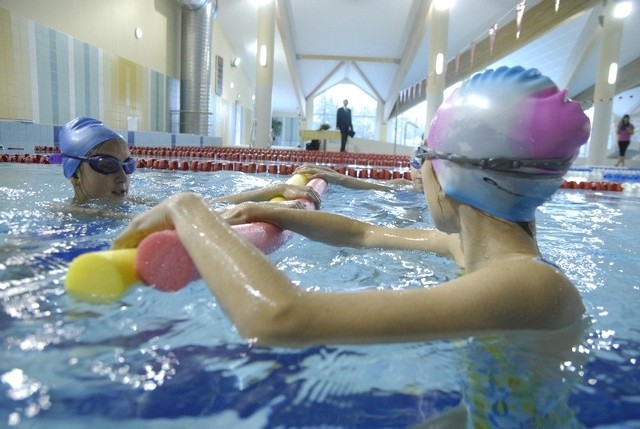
(347, 58)
(538, 20)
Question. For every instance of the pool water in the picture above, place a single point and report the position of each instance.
(156, 360)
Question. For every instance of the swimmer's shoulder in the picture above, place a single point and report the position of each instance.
(528, 293)
(148, 201)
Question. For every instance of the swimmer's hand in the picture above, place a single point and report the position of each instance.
(319, 172)
(294, 192)
(293, 204)
(158, 218)
(285, 190)
(258, 212)
(331, 176)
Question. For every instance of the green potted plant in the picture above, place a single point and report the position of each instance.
(276, 128)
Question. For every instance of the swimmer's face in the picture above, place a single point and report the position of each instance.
(416, 178)
(440, 206)
(90, 184)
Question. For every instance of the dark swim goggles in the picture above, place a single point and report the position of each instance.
(558, 166)
(417, 160)
(107, 164)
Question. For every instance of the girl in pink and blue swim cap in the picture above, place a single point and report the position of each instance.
(503, 141)
(497, 149)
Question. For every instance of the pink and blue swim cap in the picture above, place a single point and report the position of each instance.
(78, 137)
(503, 141)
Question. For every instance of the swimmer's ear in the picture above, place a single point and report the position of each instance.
(75, 180)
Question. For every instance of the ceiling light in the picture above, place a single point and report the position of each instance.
(613, 73)
(622, 9)
(442, 4)
(235, 62)
(439, 63)
(138, 33)
(262, 56)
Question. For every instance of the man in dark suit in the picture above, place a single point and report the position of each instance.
(343, 123)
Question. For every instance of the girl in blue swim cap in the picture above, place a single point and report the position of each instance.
(96, 160)
(497, 149)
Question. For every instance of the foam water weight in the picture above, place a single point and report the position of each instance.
(160, 259)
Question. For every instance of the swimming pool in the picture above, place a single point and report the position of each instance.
(156, 360)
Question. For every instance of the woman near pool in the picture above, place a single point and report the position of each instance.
(497, 149)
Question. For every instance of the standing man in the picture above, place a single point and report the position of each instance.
(343, 123)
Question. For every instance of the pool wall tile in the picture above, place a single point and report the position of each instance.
(49, 77)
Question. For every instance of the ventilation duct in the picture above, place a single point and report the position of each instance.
(195, 65)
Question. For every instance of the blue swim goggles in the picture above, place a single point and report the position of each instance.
(546, 167)
(106, 164)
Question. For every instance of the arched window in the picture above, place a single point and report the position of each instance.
(363, 109)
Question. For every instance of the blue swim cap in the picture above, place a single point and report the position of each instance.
(503, 141)
(78, 137)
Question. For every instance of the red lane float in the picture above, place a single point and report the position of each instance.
(592, 186)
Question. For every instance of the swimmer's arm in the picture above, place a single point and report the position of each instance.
(401, 182)
(255, 294)
(333, 177)
(511, 295)
(269, 309)
(338, 230)
(320, 226)
(148, 201)
(288, 191)
(86, 211)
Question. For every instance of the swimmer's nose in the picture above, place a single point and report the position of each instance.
(121, 176)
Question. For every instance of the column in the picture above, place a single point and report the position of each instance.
(439, 25)
(264, 72)
(604, 91)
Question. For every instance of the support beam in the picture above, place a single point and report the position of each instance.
(283, 20)
(605, 87)
(583, 47)
(264, 72)
(347, 58)
(537, 21)
(628, 78)
(325, 80)
(439, 28)
(414, 39)
(369, 86)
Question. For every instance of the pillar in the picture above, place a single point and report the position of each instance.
(604, 91)
(264, 72)
(439, 25)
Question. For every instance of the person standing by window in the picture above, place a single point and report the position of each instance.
(624, 130)
(343, 123)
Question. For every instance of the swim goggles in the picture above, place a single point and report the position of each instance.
(558, 166)
(107, 164)
(417, 161)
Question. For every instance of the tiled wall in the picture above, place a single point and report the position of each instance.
(50, 78)
(22, 138)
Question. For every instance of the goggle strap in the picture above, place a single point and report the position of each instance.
(499, 164)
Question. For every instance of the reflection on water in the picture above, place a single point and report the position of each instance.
(155, 359)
